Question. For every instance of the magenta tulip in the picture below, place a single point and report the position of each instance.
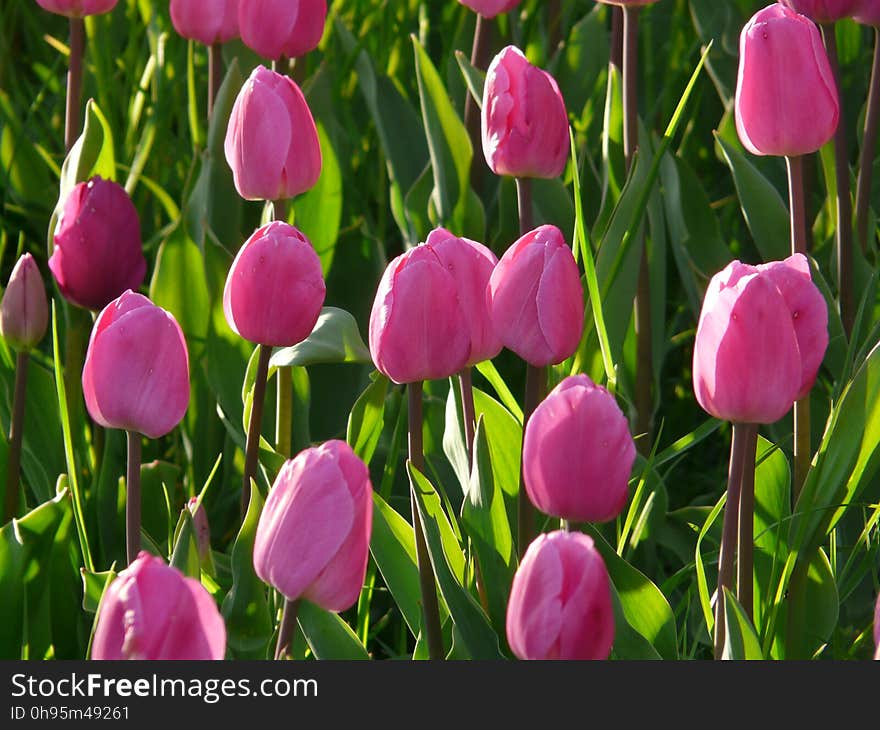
(314, 532)
(272, 142)
(524, 121)
(24, 312)
(275, 289)
(152, 611)
(578, 453)
(867, 12)
(418, 327)
(877, 628)
(276, 28)
(77, 8)
(206, 21)
(471, 264)
(536, 300)
(97, 253)
(786, 96)
(203, 529)
(490, 8)
(823, 11)
(136, 374)
(560, 603)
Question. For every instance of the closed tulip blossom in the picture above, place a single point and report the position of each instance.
(24, 312)
(471, 264)
(275, 288)
(206, 21)
(276, 28)
(97, 252)
(867, 12)
(77, 8)
(560, 602)
(490, 8)
(271, 141)
(152, 611)
(313, 537)
(136, 374)
(877, 628)
(578, 453)
(418, 327)
(524, 120)
(824, 11)
(536, 300)
(786, 96)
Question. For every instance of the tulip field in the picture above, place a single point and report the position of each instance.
(448, 329)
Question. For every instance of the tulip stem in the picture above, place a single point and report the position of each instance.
(16, 431)
(554, 25)
(746, 544)
(869, 149)
(252, 448)
(535, 384)
(215, 75)
(615, 57)
(524, 200)
(284, 413)
(466, 385)
(844, 200)
(427, 585)
(287, 629)
(72, 123)
(480, 56)
(729, 530)
(133, 497)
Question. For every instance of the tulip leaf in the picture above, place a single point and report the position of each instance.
(367, 418)
(740, 639)
(628, 643)
(186, 547)
(474, 78)
(335, 339)
(328, 635)
(94, 586)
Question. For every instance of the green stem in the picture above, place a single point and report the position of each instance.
(287, 629)
(133, 498)
(252, 448)
(615, 57)
(16, 432)
(466, 385)
(535, 384)
(746, 542)
(869, 149)
(524, 203)
(480, 57)
(215, 75)
(283, 379)
(72, 118)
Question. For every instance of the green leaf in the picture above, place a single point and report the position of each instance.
(740, 639)
(186, 547)
(474, 78)
(94, 586)
(367, 418)
(335, 339)
(328, 635)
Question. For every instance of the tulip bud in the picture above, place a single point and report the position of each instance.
(877, 628)
(152, 611)
(77, 8)
(748, 366)
(136, 374)
(97, 253)
(206, 21)
(524, 121)
(560, 602)
(314, 532)
(578, 453)
(272, 142)
(786, 96)
(471, 264)
(418, 328)
(823, 11)
(867, 12)
(275, 28)
(275, 290)
(536, 300)
(24, 312)
(490, 8)
(203, 529)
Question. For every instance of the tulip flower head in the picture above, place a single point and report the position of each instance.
(578, 453)
(490, 8)
(313, 536)
(136, 374)
(152, 611)
(275, 288)
(77, 8)
(536, 300)
(24, 312)
(276, 28)
(560, 602)
(206, 21)
(271, 142)
(524, 121)
(786, 96)
(867, 12)
(823, 11)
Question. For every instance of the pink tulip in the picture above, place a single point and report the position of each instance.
(314, 533)
(471, 264)
(136, 374)
(77, 8)
(152, 611)
(24, 312)
(275, 28)
(490, 8)
(418, 327)
(759, 342)
(823, 11)
(97, 253)
(536, 299)
(560, 603)
(206, 21)
(625, 3)
(877, 628)
(786, 96)
(275, 289)
(203, 529)
(867, 12)
(524, 121)
(272, 142)
(578, 453)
